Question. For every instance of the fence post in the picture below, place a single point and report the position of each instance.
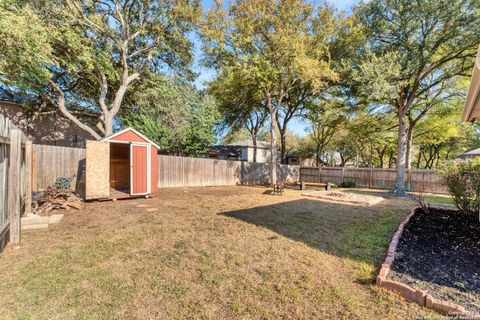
(370, 181)
(14, 185)
(409, 175)
(28, 176)
(343, 174)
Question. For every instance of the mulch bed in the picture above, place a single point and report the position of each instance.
(440, 252)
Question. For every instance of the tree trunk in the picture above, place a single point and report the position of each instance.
(343, 160)
(254, 141)
(408, 155)
(273, 150)
(317, 155)
(419, 158)
(391, 159)
(273, 140)
(381, 159)
(437, 155)
(108, 125)
(401, 148)
(283, 146)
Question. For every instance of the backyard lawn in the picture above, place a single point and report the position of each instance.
(209, 253)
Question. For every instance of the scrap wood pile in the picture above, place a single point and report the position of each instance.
(53, 199)
(60, 196)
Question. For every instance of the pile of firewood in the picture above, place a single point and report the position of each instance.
(53, 199)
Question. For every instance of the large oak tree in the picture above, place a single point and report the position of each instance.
(269, 46)
(413, 49)
(83, 55)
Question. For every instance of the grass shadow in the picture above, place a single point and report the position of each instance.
(357, 232)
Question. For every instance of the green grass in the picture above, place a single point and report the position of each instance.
(439, 200)
(368, 240)
(207, 253)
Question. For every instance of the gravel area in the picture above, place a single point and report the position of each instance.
(440, 252)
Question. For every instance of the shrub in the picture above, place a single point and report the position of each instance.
(63, 182)
(420, 197)
(462, 179)
(348, 184)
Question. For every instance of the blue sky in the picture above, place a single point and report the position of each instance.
(296, 125)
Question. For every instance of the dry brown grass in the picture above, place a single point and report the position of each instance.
(207, 253)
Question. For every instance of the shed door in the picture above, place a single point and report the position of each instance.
(139, 168)
(97, 171)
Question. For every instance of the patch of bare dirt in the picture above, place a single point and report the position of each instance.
(353, 198)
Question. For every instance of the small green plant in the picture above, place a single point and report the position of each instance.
(462, 179)
(63, 182)
(348, 184)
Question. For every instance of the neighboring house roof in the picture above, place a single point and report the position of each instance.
(471, 109)
(249, 143)
(13, 98)
(469, 154)
(226, 151)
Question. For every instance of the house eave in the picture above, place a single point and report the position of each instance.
(471, 109)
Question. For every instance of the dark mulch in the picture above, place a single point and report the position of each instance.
(440, 252)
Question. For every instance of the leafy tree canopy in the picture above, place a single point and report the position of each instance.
(83, 55)
(413, 49)
(174, 114)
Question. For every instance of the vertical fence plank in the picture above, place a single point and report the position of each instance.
(33, 167)
(14, 185)
(4, 173)
(28, 176)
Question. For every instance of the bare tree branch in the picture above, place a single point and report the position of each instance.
(68, 115)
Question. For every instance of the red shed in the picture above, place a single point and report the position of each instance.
(121, 166)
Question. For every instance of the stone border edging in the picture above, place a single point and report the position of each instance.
(421, 297)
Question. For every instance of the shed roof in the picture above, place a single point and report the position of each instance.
(134, 131)
(471, 109)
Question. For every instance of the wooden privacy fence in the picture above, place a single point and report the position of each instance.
(15, 179)
(418, 179)
(183, 172)
(52, 162)
(196, 172)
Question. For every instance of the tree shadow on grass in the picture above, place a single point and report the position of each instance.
(356, 232)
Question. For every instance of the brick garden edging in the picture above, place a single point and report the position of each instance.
(421, 297)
